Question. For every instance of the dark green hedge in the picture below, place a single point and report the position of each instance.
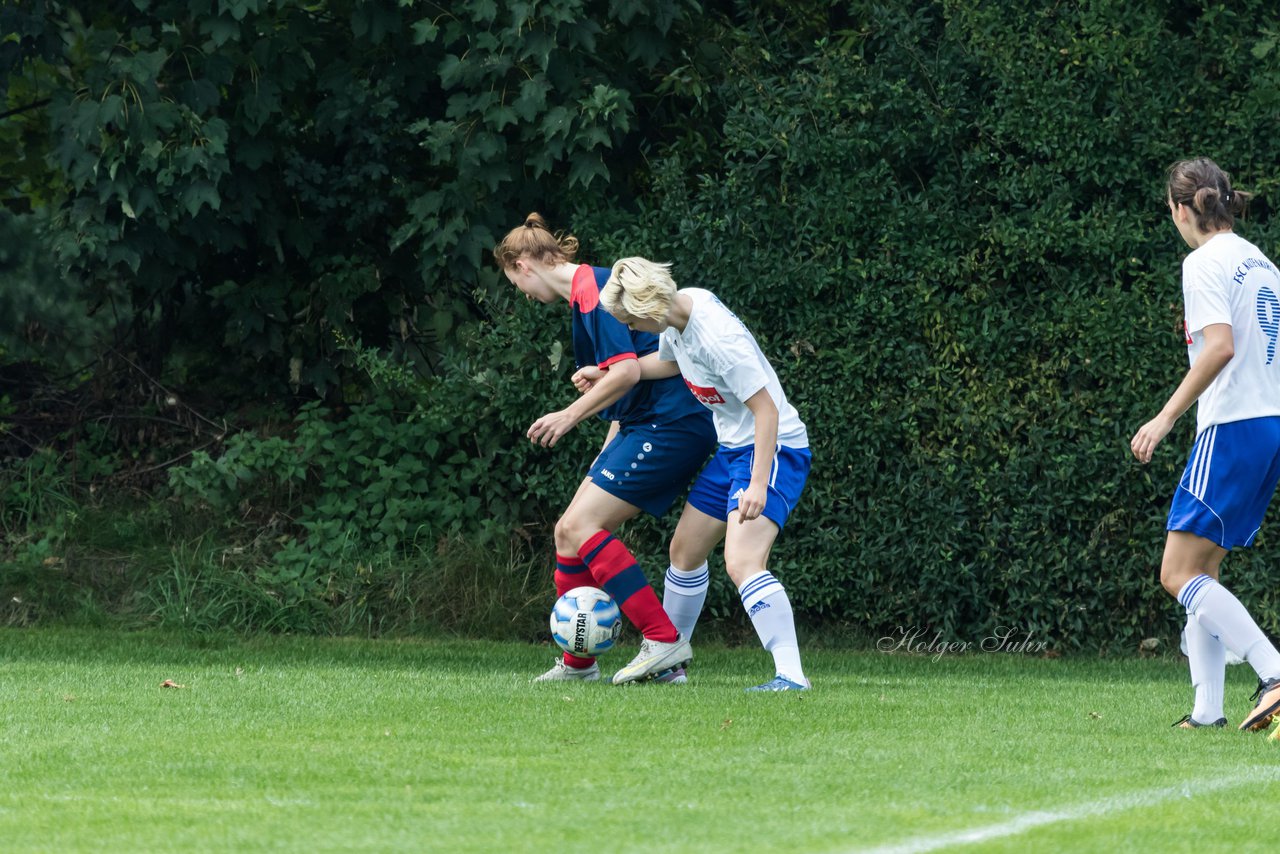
(948, 228)
(945, 222)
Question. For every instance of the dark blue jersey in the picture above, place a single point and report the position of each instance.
(601, 339)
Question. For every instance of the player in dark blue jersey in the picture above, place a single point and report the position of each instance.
(659, 436)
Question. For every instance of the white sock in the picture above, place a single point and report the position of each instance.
(1208, 659)
(1222, 616)
(683, 594)
(769, 608)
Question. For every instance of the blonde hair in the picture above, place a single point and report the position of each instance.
(639, 288)
(535, 241)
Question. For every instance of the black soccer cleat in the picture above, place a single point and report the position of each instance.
(1188, 722)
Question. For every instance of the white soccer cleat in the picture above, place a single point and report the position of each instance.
(655, 658)
(564, 673)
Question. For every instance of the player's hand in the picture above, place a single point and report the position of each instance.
(551, 428)
(751, 503)
(585, 378)
(1148, 436)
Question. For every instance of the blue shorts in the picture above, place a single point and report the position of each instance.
(1229, 481)
(717, 489)
(649, 465)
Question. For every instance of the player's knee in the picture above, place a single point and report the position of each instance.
(1173, 577)
(567, 534)
(685, 558)
(740, 569)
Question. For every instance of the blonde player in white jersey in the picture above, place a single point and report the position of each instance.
(1231, 294)
(746, 492)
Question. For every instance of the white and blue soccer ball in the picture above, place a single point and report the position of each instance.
(586, 622)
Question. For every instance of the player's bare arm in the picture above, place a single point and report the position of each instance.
(617, 381)
(752, 502)
(654, 368)
(651, 368)
(1219, 349)
(584, 378)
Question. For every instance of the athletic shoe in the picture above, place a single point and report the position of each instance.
(674, 676)
(780, 683)
(655, 658)
(564, 673)
(1188, 722)
(1268, 697)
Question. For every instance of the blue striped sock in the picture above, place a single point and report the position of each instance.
(766, 602)
(683, 594)
(1224, 617)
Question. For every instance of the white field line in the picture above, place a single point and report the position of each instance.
(1089, 809)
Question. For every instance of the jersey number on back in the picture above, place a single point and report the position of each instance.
(1268, 306)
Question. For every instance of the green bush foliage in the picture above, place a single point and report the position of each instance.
(947, 227)
(240, 179)
(943, 219)
(399, 474)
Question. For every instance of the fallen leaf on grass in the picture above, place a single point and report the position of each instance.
(169, 683)
(728, 722)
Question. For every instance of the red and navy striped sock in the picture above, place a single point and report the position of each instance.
(571, 572)
(617, 572)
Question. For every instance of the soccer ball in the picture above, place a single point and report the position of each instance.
(585, 622)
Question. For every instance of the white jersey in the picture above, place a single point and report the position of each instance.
(1228, 280)
(723, 366)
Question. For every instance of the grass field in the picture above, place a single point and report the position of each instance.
(287, 744)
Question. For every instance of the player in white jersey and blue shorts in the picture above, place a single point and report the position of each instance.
(658, 439)
(1231, 296)
(747, 491)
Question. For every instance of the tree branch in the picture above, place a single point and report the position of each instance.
(33, 105)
